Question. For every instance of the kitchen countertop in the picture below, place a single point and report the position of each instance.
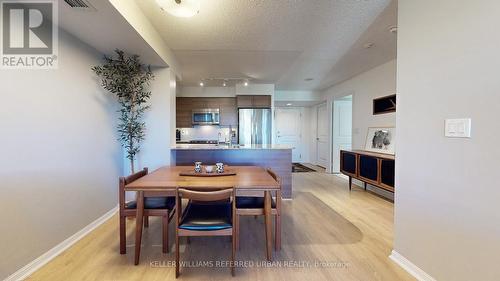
(232, 147)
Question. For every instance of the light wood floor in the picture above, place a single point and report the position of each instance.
(349, 233)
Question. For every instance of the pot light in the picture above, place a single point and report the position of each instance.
(245, 84)
(201, 84)
(368, 45)
(180, 8)
(393, 29)
(224, 84)
(288, 104)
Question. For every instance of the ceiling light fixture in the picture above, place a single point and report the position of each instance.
(368, 45)
(201, 84)
(180, 8)
(288, 104)
(245, 84)
(393, 29)
(224, 84)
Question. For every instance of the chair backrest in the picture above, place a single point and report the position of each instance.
(205, 196)
(202, 197)
(123, 181)
(275, 177)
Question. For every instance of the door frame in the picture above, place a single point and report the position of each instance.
(316, 137)
(329, 103)
(342, 98)
(301, 129)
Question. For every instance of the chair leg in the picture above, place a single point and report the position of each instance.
(277, 232)
(177, 257)
(123, 235)
(146, 221)
(165, 233)
(237, 231)
(268, 223)
(233, 247)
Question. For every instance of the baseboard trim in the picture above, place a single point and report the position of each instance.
(36, 264)
(411, 268)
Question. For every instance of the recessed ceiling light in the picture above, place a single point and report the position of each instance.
(224, 84)
(288, 104)
(202, 84)
(180, 8)
(308, 79)
(393, 29)
(245, 84)
(368, 45)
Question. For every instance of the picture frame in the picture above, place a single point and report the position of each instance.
(381, 140)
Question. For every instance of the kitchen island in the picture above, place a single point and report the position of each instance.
(276, 157)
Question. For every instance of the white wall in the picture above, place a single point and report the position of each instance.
(377, 82)
(299, 96)
(447, 215)
(60, 158)
(160, 123)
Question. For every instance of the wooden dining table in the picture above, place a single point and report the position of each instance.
(165, 181)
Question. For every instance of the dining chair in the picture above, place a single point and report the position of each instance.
(154, 205)
(208, 213)
(254, 206)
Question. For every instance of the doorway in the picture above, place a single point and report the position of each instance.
(288, 124)
(322, 149)
(341, 129)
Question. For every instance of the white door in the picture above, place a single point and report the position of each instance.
(342, 130)
(288, 124)
(322, 136)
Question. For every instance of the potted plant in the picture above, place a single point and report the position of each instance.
(128, 79)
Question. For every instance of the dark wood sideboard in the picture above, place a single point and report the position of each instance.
(369, 167)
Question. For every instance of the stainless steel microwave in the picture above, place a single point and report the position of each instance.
(209, 116)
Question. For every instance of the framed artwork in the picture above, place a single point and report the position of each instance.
(384, 105)
(381, 140)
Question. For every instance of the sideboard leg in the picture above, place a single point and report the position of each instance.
(365, 185)
(350, 183)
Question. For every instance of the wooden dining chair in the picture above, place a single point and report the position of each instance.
(154, 205)
(254, 206)
(208, 213)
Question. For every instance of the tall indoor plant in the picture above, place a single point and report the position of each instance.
(128, 79)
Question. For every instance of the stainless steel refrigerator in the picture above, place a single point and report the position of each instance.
(254, 126)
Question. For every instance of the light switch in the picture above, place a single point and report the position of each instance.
(458, 128)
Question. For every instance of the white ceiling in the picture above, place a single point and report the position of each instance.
(278, 41)
(105, 29)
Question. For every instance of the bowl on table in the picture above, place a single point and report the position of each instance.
(209, 169)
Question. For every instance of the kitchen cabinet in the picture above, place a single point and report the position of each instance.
(228, 115)
(250, 101)
(186, 105)
(262, 101)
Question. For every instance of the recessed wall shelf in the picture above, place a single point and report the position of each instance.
(385, 104)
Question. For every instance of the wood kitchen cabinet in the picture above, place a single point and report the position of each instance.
(186, 105)
(262, 101)
(250, 101)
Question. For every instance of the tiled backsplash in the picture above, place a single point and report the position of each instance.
(205, 133)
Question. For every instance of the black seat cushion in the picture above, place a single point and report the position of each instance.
(154, 203)
(207, 216)
(248, 202)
